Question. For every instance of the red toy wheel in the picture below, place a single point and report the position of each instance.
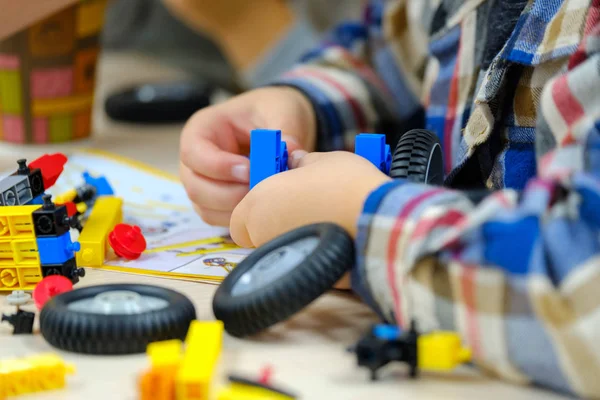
(49, 287)
(127, 241)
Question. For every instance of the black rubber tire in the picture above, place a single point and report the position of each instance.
(251, 313)
(418, 158)
(90, 333)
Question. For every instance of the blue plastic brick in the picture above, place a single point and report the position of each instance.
(56, 249)
(386, 332)
(372, 147)
(101, 184)
(37, 200)
(268, 155)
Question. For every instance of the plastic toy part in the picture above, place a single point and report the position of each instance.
(15, 191)
(101, 184)
(282, 277)
(437, 351)
(115, 319)
(68, 269)
(127, 241)
(22, 321)
(36, 373)
(268, 155)
(418, 158)
(51, 220)
(372, 147)
(241, 388)
(105, 215)
(34, 178)
(51, 166)
(203, 348)
(183, 373)
(49, 287)
(18, 298)
(57, 249)
(19, 258)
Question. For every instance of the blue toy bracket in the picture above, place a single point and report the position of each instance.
(269, 155)
(372, 147)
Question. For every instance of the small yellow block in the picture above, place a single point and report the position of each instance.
(203, 347)
(441, 351)
(33, 374)
(106, 213)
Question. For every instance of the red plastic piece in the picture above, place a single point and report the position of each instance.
(265, 377)
(51, 165)
(71, 208)
(127, 241)
(49, 287)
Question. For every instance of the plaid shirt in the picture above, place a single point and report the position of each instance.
(512, 90)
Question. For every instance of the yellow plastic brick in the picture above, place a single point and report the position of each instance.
(441, 351)
(238, 391)
(165, 353)
(106, 213)
(17, 222)
(65, 197)
(203, 347)
(33, 374)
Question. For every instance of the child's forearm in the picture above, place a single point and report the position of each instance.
(244, 29)
(17, 15)
(517, 279)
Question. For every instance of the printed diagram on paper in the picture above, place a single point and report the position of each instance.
(179, 243)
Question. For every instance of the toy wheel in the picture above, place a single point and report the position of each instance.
(282, 277)
(115, 319)
(418, 158)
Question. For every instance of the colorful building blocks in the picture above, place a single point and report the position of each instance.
(181, 371)
(268, 155)
(438, 351)
(105, 215)
(36, 373)
(372, 146)
(35, 236)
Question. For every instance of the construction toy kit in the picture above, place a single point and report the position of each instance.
(47, 242)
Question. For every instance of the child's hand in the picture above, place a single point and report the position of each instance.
(215, 143)
(322, 187)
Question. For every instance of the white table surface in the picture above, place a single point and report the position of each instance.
(307, 353)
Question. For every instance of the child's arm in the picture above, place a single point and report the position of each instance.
(518, 277)
(17, 15)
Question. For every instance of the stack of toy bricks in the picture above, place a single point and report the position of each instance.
(35, 239)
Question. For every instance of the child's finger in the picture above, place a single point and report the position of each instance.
(238, 229)
(212, 217)
(206, 158)
(210, 193)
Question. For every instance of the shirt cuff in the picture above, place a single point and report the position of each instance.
(359, 278)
